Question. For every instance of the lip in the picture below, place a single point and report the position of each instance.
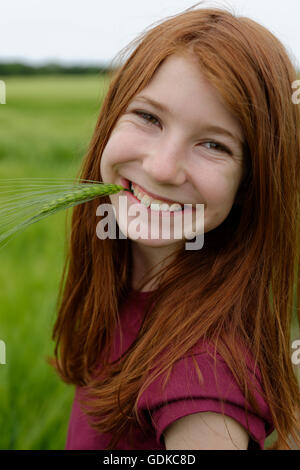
(126, 184)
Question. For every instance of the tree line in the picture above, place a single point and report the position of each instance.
(18, 68)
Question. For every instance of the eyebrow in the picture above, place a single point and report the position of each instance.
(209, 127)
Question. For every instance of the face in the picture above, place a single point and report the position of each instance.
(187, 148)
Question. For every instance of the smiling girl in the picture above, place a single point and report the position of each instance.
(172, 348)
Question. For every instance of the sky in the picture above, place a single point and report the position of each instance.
(95, 31)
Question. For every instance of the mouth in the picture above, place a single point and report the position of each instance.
(153, 201)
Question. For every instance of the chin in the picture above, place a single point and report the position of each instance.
(160, 243)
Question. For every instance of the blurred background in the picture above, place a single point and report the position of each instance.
(54, 60)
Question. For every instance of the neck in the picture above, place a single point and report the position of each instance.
(148, 258)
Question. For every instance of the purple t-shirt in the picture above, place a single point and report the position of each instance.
(182, 396)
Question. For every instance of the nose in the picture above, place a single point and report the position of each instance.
(166, 164)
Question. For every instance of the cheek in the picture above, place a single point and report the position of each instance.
(219, 187)
(122, 145)
(111, 156)
(112, 150)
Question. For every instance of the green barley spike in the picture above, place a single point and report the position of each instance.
(80, 195)
(68, 195)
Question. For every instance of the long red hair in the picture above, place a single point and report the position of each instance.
(242, 286)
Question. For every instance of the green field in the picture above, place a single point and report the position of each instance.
(45, 127)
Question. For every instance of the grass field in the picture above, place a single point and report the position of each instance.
(45, 127)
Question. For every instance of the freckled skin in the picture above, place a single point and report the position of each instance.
(171, 157)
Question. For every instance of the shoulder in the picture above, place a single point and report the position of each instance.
(206, 431)
(202, 398)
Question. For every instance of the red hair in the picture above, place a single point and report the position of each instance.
(246, 272)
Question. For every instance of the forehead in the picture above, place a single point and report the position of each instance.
(182, 89)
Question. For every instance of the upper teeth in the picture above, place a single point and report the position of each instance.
(155, 204)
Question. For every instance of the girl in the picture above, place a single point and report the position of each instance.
(172, 348)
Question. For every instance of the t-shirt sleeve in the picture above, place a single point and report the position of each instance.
(217, 392)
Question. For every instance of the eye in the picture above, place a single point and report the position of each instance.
(149, 118)
(219, 147)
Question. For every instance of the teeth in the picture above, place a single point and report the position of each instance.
(146, 200)
(164, 207)
(136, 192)
(155, 204)
(175, 207)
